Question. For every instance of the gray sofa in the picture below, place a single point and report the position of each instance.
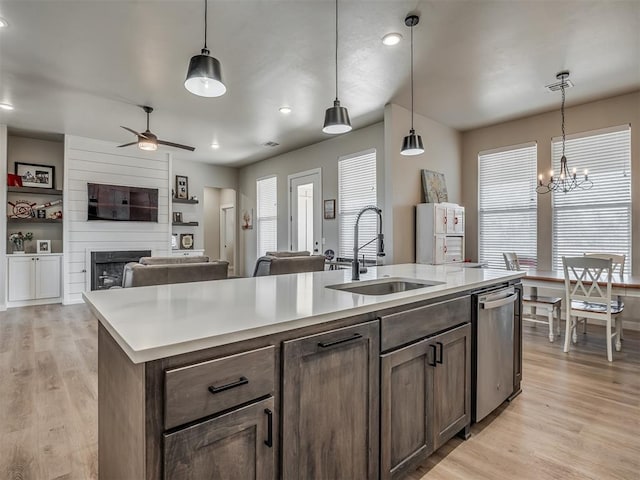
(166, 270)
(278, 263)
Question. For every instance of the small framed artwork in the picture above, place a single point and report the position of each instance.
(330, 209)
(177, 217)
(43, 246)
(186, 241)
(434, 187)
(247, 219)
(34, 175)
(174, 241)
(182, 187)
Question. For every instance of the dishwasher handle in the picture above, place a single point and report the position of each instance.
(488, 305)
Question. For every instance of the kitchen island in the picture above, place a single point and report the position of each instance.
(282, 377)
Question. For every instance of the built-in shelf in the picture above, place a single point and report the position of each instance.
(184, 200)
(185, 224)
(34, 220)
(35, 190)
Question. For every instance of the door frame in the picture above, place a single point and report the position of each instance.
(223, 207)
(290, 178)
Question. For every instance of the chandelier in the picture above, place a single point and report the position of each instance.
(565, 182)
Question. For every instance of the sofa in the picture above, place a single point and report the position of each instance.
(166, 270)
(278, 263)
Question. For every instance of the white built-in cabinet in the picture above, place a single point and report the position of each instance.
(34, 277)
(439, 233)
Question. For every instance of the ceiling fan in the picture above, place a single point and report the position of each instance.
(149, 141)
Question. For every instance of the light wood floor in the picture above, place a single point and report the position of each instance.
(578, 417)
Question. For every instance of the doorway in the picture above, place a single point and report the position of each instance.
(305, 211)
(219, 225)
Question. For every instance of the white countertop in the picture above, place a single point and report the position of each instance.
(156, 322)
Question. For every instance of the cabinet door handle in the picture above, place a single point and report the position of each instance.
(241, 381)
(439, 360)
(355, 336)
(269, 441)
(434, 348)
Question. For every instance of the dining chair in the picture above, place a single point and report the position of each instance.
(617, 261)
(587, 283)
(550, 306)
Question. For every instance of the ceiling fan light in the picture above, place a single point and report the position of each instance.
(147, 144)
(412, 144)
(204, 76)
(336, 119)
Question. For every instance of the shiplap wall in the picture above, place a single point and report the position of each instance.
(96, 161)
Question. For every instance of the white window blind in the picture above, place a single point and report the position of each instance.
(267, 215)
(596, 220)
(357, 189)
(508, 205)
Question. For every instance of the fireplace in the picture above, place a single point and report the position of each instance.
(107, 267)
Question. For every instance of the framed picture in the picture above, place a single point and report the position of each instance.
(434, 186)
(174, 241)
(247, 219)
(34, 175)
(186, 241)
(177, 217)
(43, 246)
(330, 209)
(182, 187)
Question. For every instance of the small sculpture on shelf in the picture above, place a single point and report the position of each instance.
(17, 240)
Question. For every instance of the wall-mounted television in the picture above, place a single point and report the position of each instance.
(121, 203)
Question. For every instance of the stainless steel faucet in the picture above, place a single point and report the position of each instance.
(355, 265)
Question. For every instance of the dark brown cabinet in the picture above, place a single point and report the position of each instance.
(330, 405)
(236, 445)
(425, 398)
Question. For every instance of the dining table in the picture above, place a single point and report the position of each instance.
(621, 285)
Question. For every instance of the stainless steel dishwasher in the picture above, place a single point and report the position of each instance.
(494, 328)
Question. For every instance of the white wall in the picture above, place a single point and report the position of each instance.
(443, 152)
(322, 155)
(95, 161)
(200, 175)
(3, 215)
(211, 216)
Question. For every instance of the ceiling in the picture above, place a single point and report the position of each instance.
(81, 67)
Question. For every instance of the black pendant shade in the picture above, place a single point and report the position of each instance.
(336, 119)
(204, 77)
(412, 144)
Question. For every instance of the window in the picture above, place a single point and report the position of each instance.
(357, 189)
(508, 205)
(267, 215)
(599, 219)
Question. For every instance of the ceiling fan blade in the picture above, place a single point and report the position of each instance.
(131, 130)
(176, 145)
(127, 144)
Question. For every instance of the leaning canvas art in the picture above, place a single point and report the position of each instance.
(434, 186)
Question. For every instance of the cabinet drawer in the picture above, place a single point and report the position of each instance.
(196, 391)
(404, 327)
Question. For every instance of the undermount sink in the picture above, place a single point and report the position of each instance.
(384, 286)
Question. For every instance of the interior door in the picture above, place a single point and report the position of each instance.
(227, 235)
(305, 219)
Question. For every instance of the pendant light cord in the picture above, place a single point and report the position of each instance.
(206, 3)
(411, 77)
(336, 49)
(562, 114)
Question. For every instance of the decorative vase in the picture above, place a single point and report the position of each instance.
(18, 245)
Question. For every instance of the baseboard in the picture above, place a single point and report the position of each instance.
(74, 301)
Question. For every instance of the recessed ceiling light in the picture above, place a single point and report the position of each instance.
(3, 23)
(6, 106)
(285, 110)
(391, 39)
(215, 145)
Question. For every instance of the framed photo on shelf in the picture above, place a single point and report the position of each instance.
(186, 241)
(43, 246)
(330, 209)
(177, 217)
(34, 175)
(182, 187)
(174, 241)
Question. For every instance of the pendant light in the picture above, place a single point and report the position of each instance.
(412, 143)
(204, 77)
(336, 118)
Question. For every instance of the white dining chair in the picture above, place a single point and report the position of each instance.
(617, 263)
(549, 306)
(587, 283)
